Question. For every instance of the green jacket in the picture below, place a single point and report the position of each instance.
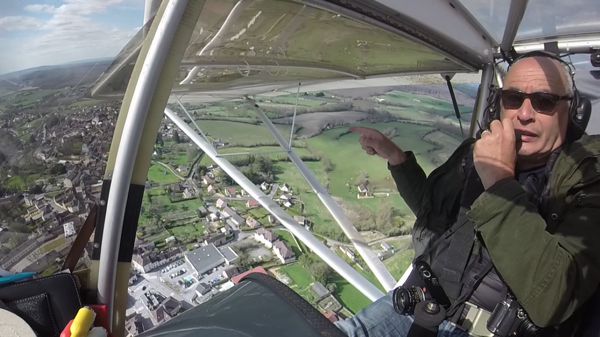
(548, 257)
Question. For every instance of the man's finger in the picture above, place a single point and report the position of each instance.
(496, 127)
(508, 128)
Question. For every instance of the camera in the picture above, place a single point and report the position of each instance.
(405, 299)
(509, 319)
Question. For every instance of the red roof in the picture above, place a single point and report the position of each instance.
(236, 279)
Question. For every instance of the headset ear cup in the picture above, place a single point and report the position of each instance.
(579, 116)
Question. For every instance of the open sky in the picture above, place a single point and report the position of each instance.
(46, 32)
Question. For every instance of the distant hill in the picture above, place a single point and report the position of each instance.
(54, 77)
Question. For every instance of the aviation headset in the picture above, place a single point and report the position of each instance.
(580, 108)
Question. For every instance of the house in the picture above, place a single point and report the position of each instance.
(287, 204)
(170, 239)
(229, 254)
(206, 180)
(202, 211)
(138, 324)
(303, 221)
(285, 197)
(348, 252)
(219, 238)
(384, 254)
(319, 290)
(386, 246)
(230, 213)
(205, 259)
(213, 217)
(69, 229)
(211, 189)
(264, 186)
(221, 203)
(285, 188)
(252, 223)
(252, 203)
(202, 289)
(266, 237)
(230, 272)
(230, 192)
(172, 307)
(363, 191)
(284, 253)
(145, 261)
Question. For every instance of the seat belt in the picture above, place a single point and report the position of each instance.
(81, 240)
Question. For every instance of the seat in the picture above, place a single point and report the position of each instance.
(259, 306)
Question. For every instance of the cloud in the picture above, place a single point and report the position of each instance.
(39, 8)
(72, 32)
(19, 23)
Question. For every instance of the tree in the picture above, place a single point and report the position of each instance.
(320, 271)
(245, 261)
(58, 169)
(362, 179)
(327, 164)
(385, 215)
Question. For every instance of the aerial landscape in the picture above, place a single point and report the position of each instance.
(55, 141)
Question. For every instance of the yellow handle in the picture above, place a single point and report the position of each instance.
(83, 322)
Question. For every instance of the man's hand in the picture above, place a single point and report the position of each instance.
(374, 142)
(495, 153)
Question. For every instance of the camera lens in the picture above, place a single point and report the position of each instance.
(405, 299)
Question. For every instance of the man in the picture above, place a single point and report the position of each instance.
(504, 218)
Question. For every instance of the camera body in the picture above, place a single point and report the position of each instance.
(406, 298)
(509, 319)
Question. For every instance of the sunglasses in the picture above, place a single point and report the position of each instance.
(542, 102)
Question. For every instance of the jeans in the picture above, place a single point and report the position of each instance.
(381, 320)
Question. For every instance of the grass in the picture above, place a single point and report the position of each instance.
(298, 274)
(349, 296)
(426, 104)
(398, 263)
(52, 245)
(161, 175)
(187, 232)
(240, 134)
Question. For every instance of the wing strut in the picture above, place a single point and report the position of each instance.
(324, 252)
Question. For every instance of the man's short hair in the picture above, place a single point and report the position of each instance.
(568, 71)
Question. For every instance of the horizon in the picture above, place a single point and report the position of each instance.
(37, 33)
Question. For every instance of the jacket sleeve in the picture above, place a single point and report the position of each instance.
(551, 274)
(410, 181)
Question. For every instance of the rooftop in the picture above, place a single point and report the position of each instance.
(205, 258)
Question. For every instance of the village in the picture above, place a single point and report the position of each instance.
(196, 235)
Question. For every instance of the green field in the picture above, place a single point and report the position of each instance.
(349, 296)
(398, 263)
(240, 134)
(424, 104)
(161, 175)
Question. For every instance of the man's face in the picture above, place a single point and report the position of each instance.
(541, 131)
